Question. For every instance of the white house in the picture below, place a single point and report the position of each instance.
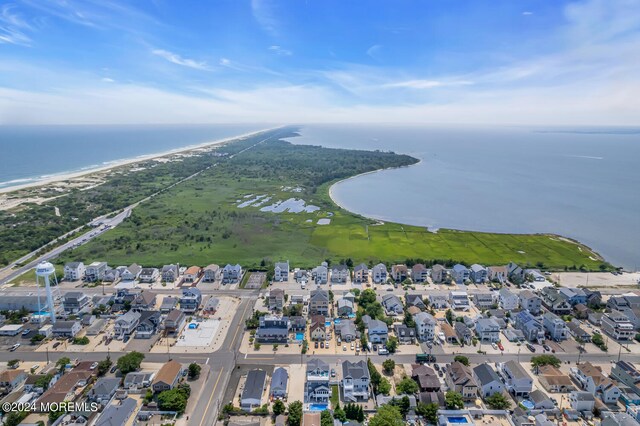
(508, 300)
(425, 326)
(355, 381)
(281, 272)
(74, 271)
(517, 380)
(379, 273)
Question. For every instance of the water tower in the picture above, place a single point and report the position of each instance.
(45, 270)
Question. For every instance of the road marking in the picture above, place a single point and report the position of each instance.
(207, 361)
(239, 325)
(213, 392)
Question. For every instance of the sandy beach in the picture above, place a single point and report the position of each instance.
(113, 165)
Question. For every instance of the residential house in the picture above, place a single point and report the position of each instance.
(581, 311)
(426, 378)
(117, 414)
(487, 330)
(167, 377)
(541, 401)
(74, 271)
(478, 273)
(192, 274)
(347, 331)
(399, 273)
(530, 302)
(130, 273)
(110, 275)
(377, 330)
(317, 330)
(513, 335)
(553, 380)
(11, 379)
(148, 275)
(628, 300)
(126, 324)
(345, 307)
(169, 303)
(415, 300)
(298, 323)
(169, 273)
(316, 388)
(136, 381)
(485, 299)
(33, 383)
(594, 297)
(459, 300)
(488, 380)
(103, 390)
(617, 325)
(254, 386)
(339, 274)
(281, 272)
(425, 326)
(174, 321)
(148, 324)
(438, 300)
(497, 274)
(618, 419)
(595, 318)
(419, 273)
(439, 274)
(460, 273)
(405, 335)
(190, 300)
(66, 328)
(465, 335)
(555, 301)
(279, 382)
(320, 274)
(582, 401)
(361, 274)
(273, 329)
(301, 275)
(349, 296)
(392, 304)
(379, 273)
(95, 271)
(578, 333)
(555, 326)
(460, 379)
(210, 273)
(355, 381)
(530, 326)
(608, 391)
(518, 382)
(574, 295)
(319, 302)
(276, 299)
(588, 376)
(633, 315)
(534, 275)
(515, 273)
(508, 300)
(231, 274)
(75, 301)
(449, 332)
(627, 374)
(67, 387)
(144, 301)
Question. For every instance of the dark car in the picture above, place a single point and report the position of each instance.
(56, 344)
(113, 369)
(316, 345)
(530, 347)
(546, 348)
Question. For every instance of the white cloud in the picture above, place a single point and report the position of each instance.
(12, 27)
(107, 80)
(374, 51)
(179, 60)
(265, 15)
(279, 50)
(426, 84)
(527, 13)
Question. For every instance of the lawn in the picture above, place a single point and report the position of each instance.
(200, 222)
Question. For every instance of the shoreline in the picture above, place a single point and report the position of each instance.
(46, 180)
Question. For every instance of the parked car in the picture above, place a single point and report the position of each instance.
(546, 347)
(494, 346)
(113, 369)
(333, 372)
(383, 351)
(344, 347)
(25, 332)
(321, 345)
(93, 366)
(500, 346)
(14, 347)
(316, 344)
(530, 347)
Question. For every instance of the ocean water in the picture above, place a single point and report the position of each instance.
(29, 153)
(581, 183)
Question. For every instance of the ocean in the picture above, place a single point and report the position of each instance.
(580, 183)
(31, 153)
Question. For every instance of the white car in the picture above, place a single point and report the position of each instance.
(494, 346)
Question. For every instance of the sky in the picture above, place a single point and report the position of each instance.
(539, 62)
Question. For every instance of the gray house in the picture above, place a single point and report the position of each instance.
(478, 273)
(488, 330)
(392, 304)
(378, 332)
(75, 301)
(316, 388)
(361, 274)
(460, 273)
(355, 381)
(379, 273)
(339, 274)
(169, 273)
(253, 388)
(555, 326)
(66, 328)
(95, 271)
(281, 272)
(488, 380)
(231, 274)
(279, 381)
(117, 414)
(103, 390)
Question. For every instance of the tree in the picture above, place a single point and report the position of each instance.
(37, 338)
(384, 387)
(542, 360)
(340, 414)
(367, 297)
(497, 401)
(462, 359)
(194, 370)
(389, 365)
(43, 381)
(374, 375)
(130, 362)
(428, 411)
(453, 401)
(295, 414)
(62, 362)
(408, 320)
(104, 366)
(408, 386)
(392, 344)
(354, 412)
(449, 316)
(326, 419)
(403, 405)
(279, 407)
(387, 415)
(174, 399)
(13, 363)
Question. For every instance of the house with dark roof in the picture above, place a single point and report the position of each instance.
(103, 390)
(174, 321)
(144, 301)
(117, 413)
(379, 273)
(518, 382)
(460, 379)
(316, 387)
(405, 335)
(415, 300)
(488, 380)
(541, 401)
(463, 332)
(347, 331)
(426, 378)
(273, 329)
(339, 274)
(279, 382)
(169, 273)
(319, 302)
(355, 381)
(254, 386)
(281, 272)
(392, 305)
(361, 274)
(148, 324)
(148, 275)
(555, 301)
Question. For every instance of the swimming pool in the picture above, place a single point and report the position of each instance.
(318, 407)
(300, 337)
(529, 405)
(457, 420)
(327, 323)
(336, 321)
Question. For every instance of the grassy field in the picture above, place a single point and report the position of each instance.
(199, 222)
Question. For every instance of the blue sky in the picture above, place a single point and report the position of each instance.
(428, 61)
